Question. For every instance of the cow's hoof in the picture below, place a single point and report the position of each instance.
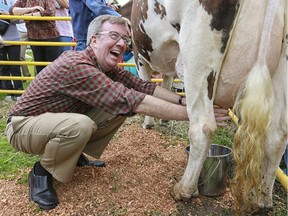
(179, 195)
(262, 203)
(175, 196)
(264, 211)
(145, 126)
(258, 210)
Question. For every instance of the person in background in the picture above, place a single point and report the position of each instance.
(83, 12)
(88, 99)
(10, 53)
(64, 27)
(23, 37)
(41, 31)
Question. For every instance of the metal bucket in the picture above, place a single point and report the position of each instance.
(214, 174)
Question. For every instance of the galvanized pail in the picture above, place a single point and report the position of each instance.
(213, 177)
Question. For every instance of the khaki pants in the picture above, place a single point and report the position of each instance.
(60, 138)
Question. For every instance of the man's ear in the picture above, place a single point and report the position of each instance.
(93, 39)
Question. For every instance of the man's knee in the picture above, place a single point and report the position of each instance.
(78, 127)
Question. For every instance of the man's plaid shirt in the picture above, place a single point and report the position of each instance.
(75, 83)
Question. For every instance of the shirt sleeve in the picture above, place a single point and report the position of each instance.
(99, 7)
(49, 8)
(18, 3)
(131, 81)
(91, 86)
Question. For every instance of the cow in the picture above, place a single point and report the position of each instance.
(229, 53)
(126, 9)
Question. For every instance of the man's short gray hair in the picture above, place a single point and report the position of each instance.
(96, 25)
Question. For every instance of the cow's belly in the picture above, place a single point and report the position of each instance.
(165, 48)
(242, 54)
(163, 58)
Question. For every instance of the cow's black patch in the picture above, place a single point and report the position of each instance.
(211, 82)
(176, 26)
(140, 37)
(159, 9)
(223, 14)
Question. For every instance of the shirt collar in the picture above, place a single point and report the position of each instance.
(92, 55)
(94, 60)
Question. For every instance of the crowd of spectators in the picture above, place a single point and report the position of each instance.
(11, 53)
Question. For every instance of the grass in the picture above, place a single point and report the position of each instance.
(178, 130)
(12, 162)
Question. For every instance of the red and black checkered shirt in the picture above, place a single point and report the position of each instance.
(75, 83)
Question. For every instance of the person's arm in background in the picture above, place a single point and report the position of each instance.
(113, 5)
(25, 10)
(47, 8)
(100, 7)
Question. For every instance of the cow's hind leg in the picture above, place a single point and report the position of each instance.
(276, 137)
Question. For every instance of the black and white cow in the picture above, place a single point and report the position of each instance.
(228, 53)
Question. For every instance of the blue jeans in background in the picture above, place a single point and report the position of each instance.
(81, 45)
(66, 39)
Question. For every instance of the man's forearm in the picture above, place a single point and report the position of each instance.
(168, 95)
(162, 109)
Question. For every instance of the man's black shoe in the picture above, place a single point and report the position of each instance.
(83, 161)
(41, 190)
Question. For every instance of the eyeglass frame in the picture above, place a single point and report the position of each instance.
(126, 39)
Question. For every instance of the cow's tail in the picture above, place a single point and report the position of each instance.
(254, 107)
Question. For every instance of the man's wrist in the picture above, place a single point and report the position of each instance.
(180, 100)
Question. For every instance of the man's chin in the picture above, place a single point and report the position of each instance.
(111, 67)
(114, 64)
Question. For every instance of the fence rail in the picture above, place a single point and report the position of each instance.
(43, 18)
(47, 63)
(40, 43)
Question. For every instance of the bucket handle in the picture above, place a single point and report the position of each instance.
(219, 161)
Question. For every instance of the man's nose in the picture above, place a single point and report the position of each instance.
(121, 40)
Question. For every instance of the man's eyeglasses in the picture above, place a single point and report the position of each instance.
(116, 36)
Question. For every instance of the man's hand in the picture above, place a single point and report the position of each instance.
(221, 115)
(114, 6)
